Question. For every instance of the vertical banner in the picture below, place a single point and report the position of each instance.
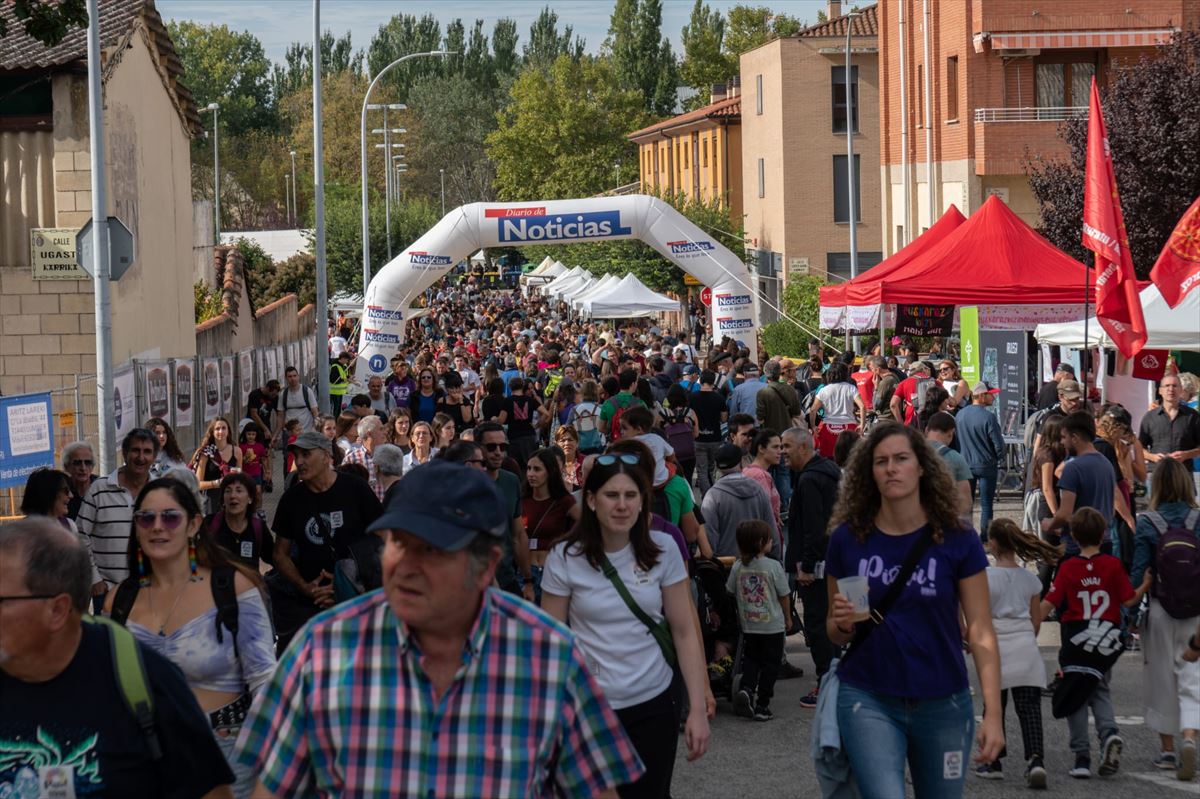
(310, 357)
(211, 388)
(227, 384)
(1005, 367)
(281, 363)
(26, 437)
(125, 401)
(184, 414)
(1047, 366)
(266, 358)
(246, 374)
(968, 323)
(157, 390)
(293, 356)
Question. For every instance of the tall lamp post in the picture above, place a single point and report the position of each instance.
(366, 222)
(295, 196)
(216, 177)
(850, 192)
(287, 198)
(442, 175)
(387, 173)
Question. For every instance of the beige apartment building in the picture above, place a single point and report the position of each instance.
(1002, 77)
(45, 183)
(794, 159)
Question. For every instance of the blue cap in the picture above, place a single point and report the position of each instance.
(445, 505)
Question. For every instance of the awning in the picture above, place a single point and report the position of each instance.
(1061, 40)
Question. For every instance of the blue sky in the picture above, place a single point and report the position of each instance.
(278, 23)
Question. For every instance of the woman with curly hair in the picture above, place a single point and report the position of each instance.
(904, 694)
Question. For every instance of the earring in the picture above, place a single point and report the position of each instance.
(192, 558)
(143, 578)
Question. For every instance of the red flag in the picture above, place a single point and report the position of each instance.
(1177, 270)
(1118, 306)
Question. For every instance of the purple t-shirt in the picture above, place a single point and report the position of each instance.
(917, 652)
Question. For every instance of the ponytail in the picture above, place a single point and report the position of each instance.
(1008, 537)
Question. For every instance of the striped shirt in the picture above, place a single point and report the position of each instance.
(358, 454)
(105, 521)
(350, 712)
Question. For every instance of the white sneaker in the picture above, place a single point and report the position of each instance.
(1187, 761)
(1110, 755)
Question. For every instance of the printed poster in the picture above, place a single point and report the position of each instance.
(211, 388)
(125, 401)
(281, 363)
(26, 437)
(924, 320)
(156, 381)
(293, 350)
(184, 394)
(227, 384)
(246, 374)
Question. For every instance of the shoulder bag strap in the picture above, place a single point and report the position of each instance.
(127, 591)
(879, 611)
(658, 629)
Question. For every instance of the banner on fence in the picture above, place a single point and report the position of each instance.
(281, 362)
(26, 437)
(293, 354)
(211, 388)
(125, 401)
(227, 384)
(246, 374)
(184, 394)
(157, 389)
(310, 356)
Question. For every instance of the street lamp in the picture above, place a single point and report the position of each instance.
(366, 222)
(287, 197)
(295, 196)
(442, 176)
(387, 176)
(850, 174)
(216, 176)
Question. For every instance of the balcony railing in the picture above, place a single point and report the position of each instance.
(1060, 114)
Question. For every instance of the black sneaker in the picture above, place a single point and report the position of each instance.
(789, 672)
(743, 705)
(809, 701)
(763, 714)
(989, 771)
(1035, 774)
(1082, 769)
(1110, 752)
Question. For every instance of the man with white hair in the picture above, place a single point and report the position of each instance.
(389, 467)
(78, 460)
(370, 435)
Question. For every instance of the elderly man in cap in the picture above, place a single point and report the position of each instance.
(411, 690)
(982, 445)
(744, 397)
(321, 515)
(1048, 394)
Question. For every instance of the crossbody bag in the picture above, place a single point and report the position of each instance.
(660, 630)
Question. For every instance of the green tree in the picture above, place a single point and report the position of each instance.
(337, 55)
(207, 300)
(563, 131)
(802, 302)
(341, 102)
(505, 59)
(451, 118)
(642, 57)
(752, 26)
(546, 44)
(403, 35)
(46, 21)
(229, 68)
(704, 60)
(1154, 132)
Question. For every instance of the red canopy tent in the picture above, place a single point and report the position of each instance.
(833, 298)
(992, 259)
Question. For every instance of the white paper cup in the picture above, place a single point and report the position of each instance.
(858, 591)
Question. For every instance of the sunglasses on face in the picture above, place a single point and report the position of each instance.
(494, 447)
(171, 519)
(626, 458)
(81, 462)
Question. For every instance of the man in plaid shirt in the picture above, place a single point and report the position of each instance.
(437, 685)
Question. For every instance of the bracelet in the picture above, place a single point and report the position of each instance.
(1193, 644)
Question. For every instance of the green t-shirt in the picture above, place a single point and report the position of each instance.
(679, 498)
(757, 588)
(957, 464)
(623, 399)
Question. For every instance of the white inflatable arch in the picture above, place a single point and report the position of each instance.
(472, 227)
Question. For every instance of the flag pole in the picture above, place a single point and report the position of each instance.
(1085, 359)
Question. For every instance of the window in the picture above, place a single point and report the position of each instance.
(762, 178)
(841, 200)
(758, 94)
(704, 151)
(839, 99)
(952, 87)
(1063, 85)
(686, 160)
(837, 264)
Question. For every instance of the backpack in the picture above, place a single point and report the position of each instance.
(614, 432)
(1177, 565)
(918, 400)
(132, 681)
(678, 432)
(587, 425)
(1032, 425)
(224, 597)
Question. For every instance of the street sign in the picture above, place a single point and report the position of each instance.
(706, 295)
(52, 253)
(688, 280)
(120, 247)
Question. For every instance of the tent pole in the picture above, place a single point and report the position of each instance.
(1085, 358)
(882, 346)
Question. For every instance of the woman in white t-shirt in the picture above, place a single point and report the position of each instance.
(628, 662)
(843, 406)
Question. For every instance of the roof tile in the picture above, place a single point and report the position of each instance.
(865, 24)
(728, 108)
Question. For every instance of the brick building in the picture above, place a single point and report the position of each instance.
(1003, 75)
(45, 183)
(794, 150)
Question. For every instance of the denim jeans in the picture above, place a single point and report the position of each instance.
(705, 464)
(985, 485)
(1106, 724)
(880, 733)
(782, 476)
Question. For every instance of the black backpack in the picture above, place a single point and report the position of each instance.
(224, 597)
(1177, 565)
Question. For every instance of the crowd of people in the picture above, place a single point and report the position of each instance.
(535, 554)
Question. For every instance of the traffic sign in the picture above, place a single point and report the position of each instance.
(120, 248)
(706, 295)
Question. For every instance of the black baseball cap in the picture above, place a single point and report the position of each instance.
(446, 505)
(728, 456)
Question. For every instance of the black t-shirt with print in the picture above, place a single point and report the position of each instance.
(708, 405)
(250, 546)
(259, 401)
(78, 723)
(520, 415)
(308, 518)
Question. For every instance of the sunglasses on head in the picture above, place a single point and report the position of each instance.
(81, 462)
(496, 447)
(171, 519)
(626, 458)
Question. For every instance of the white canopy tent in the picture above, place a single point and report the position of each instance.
(630, 298)
(559, 289)
(544, 272)
(569, 295)
(1175, 328)
(594, 290)
(563, 277)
